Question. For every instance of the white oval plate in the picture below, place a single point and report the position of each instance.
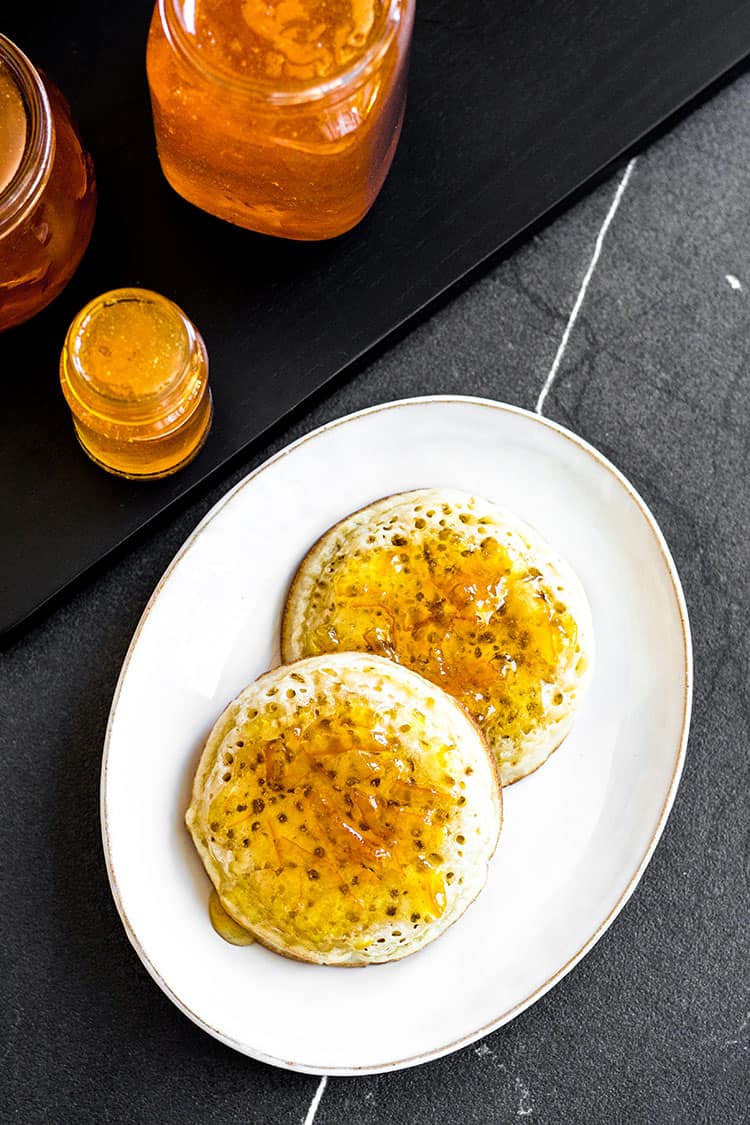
(577, 834)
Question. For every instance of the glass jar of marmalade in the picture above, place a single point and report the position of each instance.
(279, 115)
(134, 372)
(47, 190)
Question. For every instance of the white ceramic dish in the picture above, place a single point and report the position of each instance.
(578, 833)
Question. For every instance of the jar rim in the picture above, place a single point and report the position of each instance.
(22, 193)
(341, 82)
(147, 406)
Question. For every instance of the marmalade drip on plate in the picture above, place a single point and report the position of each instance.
(225, 925)
(471, 617)
(329, 824)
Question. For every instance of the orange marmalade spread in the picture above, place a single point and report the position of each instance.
(332, 821)
(474, 619)
(279, 115)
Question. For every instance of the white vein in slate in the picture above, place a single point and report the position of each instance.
(584, 285)
(310, 1116)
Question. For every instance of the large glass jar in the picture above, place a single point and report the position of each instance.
(47, 189)
(279, 115)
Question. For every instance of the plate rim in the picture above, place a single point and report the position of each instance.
(679, 758)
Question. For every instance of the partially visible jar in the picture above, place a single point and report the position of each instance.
(47, 190)
(282, 116)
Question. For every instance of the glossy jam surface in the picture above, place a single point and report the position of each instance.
(288, 41)
(281, 116)
(134, 372)
(131, 349)
(328, 821)
(470, 616)
(44, 233)
(13, 127)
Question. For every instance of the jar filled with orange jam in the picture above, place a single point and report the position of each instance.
(134, 372)
(47, 190)
(282, 116)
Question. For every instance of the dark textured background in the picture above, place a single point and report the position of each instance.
(654, 1025)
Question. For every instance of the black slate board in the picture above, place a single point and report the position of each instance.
(512, 108)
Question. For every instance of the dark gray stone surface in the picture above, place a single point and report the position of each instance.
(654, 1024)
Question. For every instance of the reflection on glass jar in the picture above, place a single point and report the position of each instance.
(47, 190)
(279, 115)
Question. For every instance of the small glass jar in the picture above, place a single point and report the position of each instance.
(282, 117)
(47, 190)
(134, 372)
